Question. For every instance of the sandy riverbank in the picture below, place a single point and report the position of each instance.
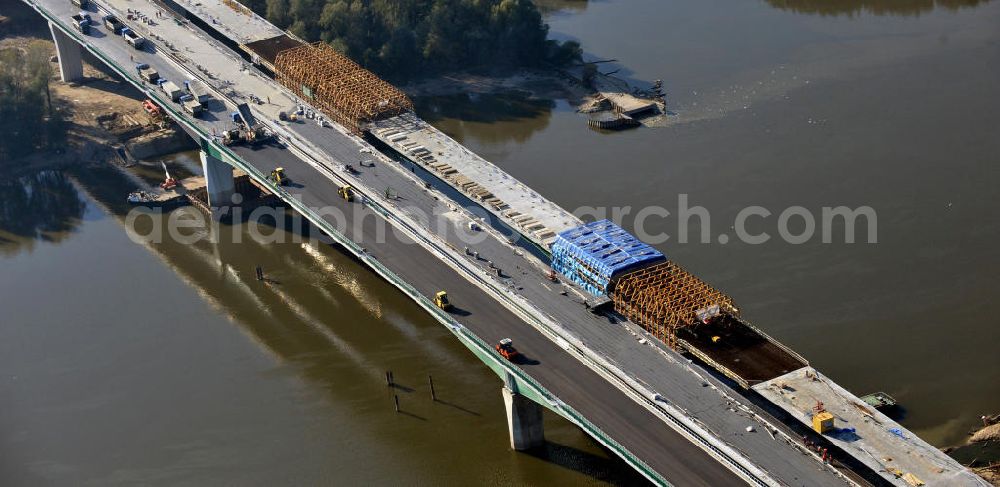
(102, 111)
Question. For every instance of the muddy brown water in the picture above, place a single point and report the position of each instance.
(891, 105)
(169, 364)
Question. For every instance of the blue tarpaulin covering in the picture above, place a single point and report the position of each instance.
(592, 255)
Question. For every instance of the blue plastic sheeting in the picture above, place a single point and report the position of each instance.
(592, 255)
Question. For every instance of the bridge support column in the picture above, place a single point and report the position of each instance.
(220, 184)
(524, 421)
(70, 55)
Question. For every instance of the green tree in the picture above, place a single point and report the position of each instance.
(28, 120)
(401, 39)
(276, 11)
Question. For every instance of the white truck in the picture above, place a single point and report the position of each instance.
(133, 39)
(199, 90)
(81, 22)
(172, 90)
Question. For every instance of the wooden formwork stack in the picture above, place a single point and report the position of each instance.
(342, 89)
(663, 298)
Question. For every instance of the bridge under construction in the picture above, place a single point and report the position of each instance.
(652, 362)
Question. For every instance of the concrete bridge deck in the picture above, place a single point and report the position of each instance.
(315, 166)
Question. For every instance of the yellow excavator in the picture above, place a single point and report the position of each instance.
(278, 176)
(441, 300)
(347, 192)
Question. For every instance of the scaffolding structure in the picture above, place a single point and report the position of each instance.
(664, 298)
(340, 88)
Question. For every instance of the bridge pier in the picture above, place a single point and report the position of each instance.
(70, 55)
(524, 421)
(220, 184)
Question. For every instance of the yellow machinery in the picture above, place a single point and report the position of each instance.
(822, 422)
(278, 176)
(347, 192)
(441, 300)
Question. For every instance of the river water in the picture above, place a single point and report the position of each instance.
(166, 363)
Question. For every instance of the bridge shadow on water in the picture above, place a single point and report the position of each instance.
(605, 468)
(314, 328)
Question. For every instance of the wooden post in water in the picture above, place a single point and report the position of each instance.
(388, 378)
(395, 399)
(430, 380)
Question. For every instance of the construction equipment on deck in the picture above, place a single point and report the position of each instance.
(507, 350)
(147, 73)
(347, 192)
(278, 177)
(113, 24)
(247, 128)
(81, 22)
(441, 300)
(133, 39)
(191, 105)
(822, 419)
(171, 89)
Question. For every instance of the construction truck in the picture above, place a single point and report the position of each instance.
(113, 24)
(171, 89)
(441, 300)
(151, 108)
(347, 192)
(246, 129)
(81, 22)
(506, 349)
(133, 39)
(278, 177)
(191, 105)
(199, 90)
(147, 73)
